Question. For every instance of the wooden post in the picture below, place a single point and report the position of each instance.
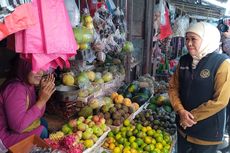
(149, 4)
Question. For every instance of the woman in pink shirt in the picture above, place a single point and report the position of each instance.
(20, 110)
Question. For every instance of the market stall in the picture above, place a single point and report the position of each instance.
(111, 79)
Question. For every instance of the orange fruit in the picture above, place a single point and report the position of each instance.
(135, 106)
(119, 99)
(114, 95)
(111, 146)
(127, 102)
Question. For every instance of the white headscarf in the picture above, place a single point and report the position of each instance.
(210, 36)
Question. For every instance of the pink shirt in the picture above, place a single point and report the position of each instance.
(14, 115)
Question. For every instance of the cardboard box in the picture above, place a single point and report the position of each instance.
(26, 145)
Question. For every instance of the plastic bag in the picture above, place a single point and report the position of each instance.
(44, 43)
(180, 26)
(8, 6)
(111, 6)
(118, 20)
(22, 18)
(2, 147)
(73, 12)
(82, 35)
(98, 44)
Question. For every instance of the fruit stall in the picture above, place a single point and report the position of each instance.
(96, 109)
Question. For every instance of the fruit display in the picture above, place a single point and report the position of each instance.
(116, 109)
(160, 101)
(134, 138)
(135, 93)
(158, 119)
(78, 134)
(115, 115)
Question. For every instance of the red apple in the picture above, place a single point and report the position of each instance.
(73, 123)
(96, 118)
(102, 120)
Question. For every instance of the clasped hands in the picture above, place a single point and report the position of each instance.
(47, 87)
(186, 119)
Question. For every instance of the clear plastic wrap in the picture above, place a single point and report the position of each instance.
(73, 12)
(180, 26)
(82, 34)
(98, 44)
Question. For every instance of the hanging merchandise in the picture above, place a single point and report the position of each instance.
(92, 5)
(180, 26)
(8, 6)
(111, 6)
(73, 12)
(22, 18)
(177, 45)
(43, 44)
(110, 30)
(165, 27)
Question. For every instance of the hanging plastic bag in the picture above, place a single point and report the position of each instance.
(180, 26)
(73, 12)
(43, 44)
(8, 6)
(2, 147)
(165, 29)
(82, 34)
(22, 18)
(111, 6)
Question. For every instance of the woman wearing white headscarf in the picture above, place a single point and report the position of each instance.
(199, 91)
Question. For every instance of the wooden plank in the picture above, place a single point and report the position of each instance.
(138, 10)
(148, 36)
(138, 29)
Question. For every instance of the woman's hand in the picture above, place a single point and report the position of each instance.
(186, 119)
(47, 88)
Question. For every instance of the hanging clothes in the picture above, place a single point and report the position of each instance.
(22, 18)
(51, 41)
(8, 6)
